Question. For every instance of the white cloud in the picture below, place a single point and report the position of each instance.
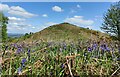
(75, 9)
(78, 6)
(90, 27)
(15, 19)
(15, 23)
(50, 23)
(78, 17)
(45, 15)
(29, 25)
(57, 9)
(4, 7)
(15, 28)
(78, 20)
(18, 25)
(16, 10)
(33, 27)
(47, 25)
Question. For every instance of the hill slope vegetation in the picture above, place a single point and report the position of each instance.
(64, 32)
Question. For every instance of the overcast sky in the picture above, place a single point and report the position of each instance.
(34, 16)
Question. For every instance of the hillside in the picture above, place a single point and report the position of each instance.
(65, 32)
(54, 59)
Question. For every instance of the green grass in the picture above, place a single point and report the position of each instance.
(64, 32)
(46, 56)
(47, 61)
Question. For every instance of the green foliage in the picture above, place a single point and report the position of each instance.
(111, 23)
(3, 22)
(27, 35)
(10, 39)
(4, 33)
(51, 61)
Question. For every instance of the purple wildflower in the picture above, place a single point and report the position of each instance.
(107, 49)
(89, 49)
(94, 46)
(19, 70)
(119, 49)
(20, 46)
(118, 59)
(103, 47)
(28, 50)
(62, 66)
(51, 73)
(19, 50)
(112, 49)
(11, 45)
(23, 60)
(23, 65)
(64, 45)
(15, 45)
(33, 50)
(28, 54)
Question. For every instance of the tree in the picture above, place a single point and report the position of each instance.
(111, 23)
(3, 22)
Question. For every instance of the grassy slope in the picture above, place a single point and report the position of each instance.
(65, 32)
(52, 57)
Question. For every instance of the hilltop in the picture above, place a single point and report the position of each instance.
(64, 32)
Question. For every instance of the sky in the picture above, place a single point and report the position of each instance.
(59, 0)
(25, 17)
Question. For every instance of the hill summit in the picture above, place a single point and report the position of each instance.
(65, 32)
